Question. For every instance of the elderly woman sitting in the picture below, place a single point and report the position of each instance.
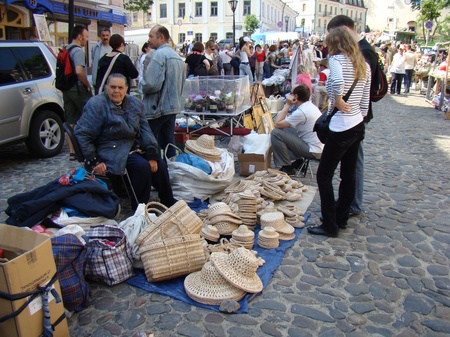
(114, 134)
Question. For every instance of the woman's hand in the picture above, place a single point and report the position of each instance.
(342, 105)
(100, 168)
(153, 165)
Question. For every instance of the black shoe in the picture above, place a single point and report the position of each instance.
(289, 170)
(298, 163)
(319, 230)
(342, 225)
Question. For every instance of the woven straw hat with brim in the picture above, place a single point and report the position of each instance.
(268, 238)
(226, 228)
(225, 217)
(203, 147)
(276, 220)
(243, 234)
(209, 287)
(218, 208)
(210, 233)
(239, 268)
(286, 237)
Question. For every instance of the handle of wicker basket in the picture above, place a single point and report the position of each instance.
(149, 208)
(167, 147)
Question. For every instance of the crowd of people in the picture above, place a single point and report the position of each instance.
(114, 125)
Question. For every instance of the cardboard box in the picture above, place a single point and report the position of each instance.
(250, 163)
(30, 264)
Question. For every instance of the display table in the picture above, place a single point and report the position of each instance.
(211, 122)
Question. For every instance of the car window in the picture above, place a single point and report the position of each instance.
(9, 68)
(35, 64)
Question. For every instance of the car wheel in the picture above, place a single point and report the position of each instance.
(46, 136)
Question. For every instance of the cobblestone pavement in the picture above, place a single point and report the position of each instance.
(386, 275)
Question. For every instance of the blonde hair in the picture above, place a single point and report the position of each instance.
(301, 69)
(341, 41)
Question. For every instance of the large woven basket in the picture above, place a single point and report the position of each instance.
(177, 220)
(172, 257)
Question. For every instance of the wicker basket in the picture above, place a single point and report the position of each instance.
(172, 257)
(178, 220)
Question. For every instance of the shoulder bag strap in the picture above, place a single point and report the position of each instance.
(107, 73)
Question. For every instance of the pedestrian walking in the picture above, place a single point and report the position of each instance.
(100, 49)
(76, 97)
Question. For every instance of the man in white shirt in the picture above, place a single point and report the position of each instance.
(225, 56)
(294, 134)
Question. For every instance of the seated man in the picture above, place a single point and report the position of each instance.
(319, 95)
(114, 134)
(294, 133)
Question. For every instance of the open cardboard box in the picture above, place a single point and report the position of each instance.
(29, 264)
(250, 163)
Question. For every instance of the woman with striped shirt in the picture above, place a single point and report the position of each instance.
(347, 129)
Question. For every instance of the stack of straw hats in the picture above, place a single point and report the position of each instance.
(208, 286)
(276, 220)
(247, 205)
(243, 237)
(239, 268)
(293, 215)
(268, 238)
(203, 147)
(210, 233)
(222, 217)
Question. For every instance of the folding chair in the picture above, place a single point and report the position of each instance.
(80, 158)
(304, 168)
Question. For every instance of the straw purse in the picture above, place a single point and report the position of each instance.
(177, 220)
(172, 257)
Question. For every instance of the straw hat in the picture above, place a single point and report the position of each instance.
(286, 237)
(226, 228)
(218, 208)
(239, 268)
(276, 220)
(268, 238)
(210, 233)
(268, 233)
(209, 287)
(226, 217)
(203, 147)
(243, 234)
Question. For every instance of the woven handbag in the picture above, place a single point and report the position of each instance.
(177, 220)
(172, 257)
(108, 255)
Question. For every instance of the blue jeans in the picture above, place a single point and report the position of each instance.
(341, 147)
(356, 205)
(244, 69)
(408, 77)
(163, 129)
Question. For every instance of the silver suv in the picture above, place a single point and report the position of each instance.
(31, 108)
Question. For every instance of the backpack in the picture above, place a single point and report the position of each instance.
(66, 77)
(213, 70)
(379, 84)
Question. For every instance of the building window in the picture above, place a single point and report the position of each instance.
(318, 24)
(335, 10)
(228, 35)
(304, 7)
(247, 8)
(198, 37)
(181, 10)
(149, 16)
(163, 10)
(214, 8)
(181, 37)
(213, 37)
(320, 8)
(198, 9)
(326, 10)
(135, 17)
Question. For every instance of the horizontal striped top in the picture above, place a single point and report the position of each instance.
(339, 82)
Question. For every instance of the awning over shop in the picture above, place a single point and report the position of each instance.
(42, 6)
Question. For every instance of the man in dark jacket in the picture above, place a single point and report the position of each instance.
(372, 59)
(114, 134)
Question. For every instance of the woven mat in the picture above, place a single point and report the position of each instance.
(273, 257)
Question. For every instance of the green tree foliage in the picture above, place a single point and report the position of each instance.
(430, 10)
(251, 24)
(138, 5)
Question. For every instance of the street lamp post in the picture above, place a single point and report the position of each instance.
(286, 20)
(233, 5)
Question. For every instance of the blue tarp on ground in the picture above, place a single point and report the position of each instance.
(175, 288)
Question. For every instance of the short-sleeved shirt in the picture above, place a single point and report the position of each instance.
(303, 119)
(78, 58)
